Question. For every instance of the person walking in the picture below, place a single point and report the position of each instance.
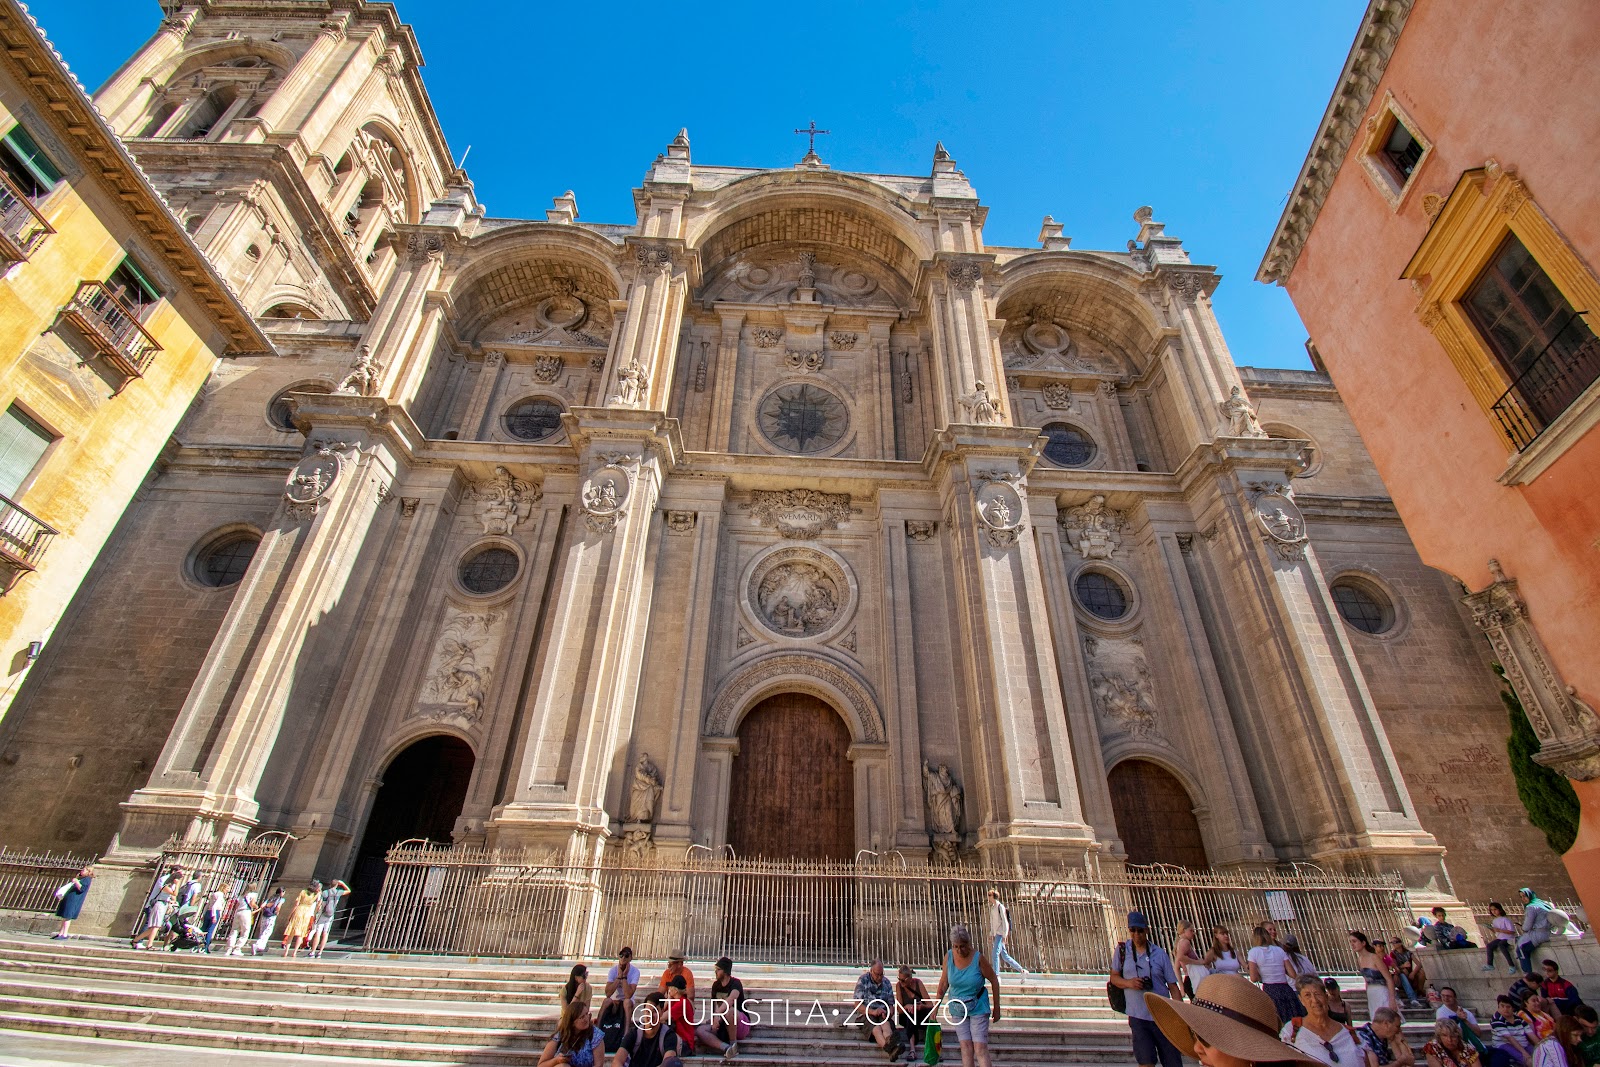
(1271, 968)
(1187, 959)
(327, 910)
(965, 972)
(1535, 928)
(997, 924)
(1317, 1033)
(1222, 959)
(1140, 966)
(1380, 982)
(163, 900)
(215, 912)
(240, 920)
(69, 901)
(1230, 1024)
(298, 927)
(266, 919)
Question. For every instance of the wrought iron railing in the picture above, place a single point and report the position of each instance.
(29, 880)
(477, 902)
(22, 228)
(112, 327)
(23, 535)
(1558, 375)
(246, 865)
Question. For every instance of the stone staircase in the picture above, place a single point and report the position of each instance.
(95, 1001)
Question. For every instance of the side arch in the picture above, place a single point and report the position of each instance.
(792, 672)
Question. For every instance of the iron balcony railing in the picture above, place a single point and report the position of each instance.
(22, 228)
(1558, 375)
(113, 328)
(23, 535)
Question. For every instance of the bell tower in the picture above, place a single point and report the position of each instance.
(292, 140)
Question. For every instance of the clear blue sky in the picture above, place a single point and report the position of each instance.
(1079, 110)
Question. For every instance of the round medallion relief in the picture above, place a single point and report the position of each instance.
(802, 417)
(799, 592)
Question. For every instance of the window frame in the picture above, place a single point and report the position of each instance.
(29, 162)
(52, 442)
(1385, 175)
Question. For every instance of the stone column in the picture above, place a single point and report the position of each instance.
(725, 390)
(472, 423)
(1031, 810)
(900, 699)
(965, 351)
(306, 72)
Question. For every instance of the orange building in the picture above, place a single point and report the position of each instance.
(1440, 243)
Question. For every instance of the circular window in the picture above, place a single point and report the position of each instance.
(224, 562)
(1102, 595)
(490, 570)
(804, 418)
(533, 420)
(1067, 446)
(278, 412)
(1363, 606)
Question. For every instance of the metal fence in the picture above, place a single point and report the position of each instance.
(29, 880)
(477, 902)
(247, 865)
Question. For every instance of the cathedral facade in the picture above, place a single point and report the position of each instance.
(789, 515)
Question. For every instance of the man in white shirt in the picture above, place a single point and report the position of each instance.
(622, 981)
(1450, 1008)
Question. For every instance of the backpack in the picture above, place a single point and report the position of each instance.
(1116, 996)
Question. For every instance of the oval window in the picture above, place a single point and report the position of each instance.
(1067, 446)
(533, 420)
(1102, 595)
(1363, 606)
(225, 561)
(490, 570)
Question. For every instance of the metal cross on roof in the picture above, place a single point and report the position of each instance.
(811, 132)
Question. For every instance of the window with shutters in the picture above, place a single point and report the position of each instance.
(23, 444)
(26, 165)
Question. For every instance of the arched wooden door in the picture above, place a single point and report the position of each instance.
(792, 793)
(1155, 816)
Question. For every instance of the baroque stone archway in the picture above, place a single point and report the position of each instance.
(1155, 816)
(796, 672)
(423, 790)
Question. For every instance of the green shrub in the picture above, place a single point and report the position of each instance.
(1548, 796)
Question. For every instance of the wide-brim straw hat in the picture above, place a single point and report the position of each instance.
(1228, 1013)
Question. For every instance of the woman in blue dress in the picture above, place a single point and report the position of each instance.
(970, 1008)
(71, 897)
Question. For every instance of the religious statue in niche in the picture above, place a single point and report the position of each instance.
(1240, 417)
(458, 676)
(644, 793)
(982, 408)
(1094, 529)
(632, 383)
(798, 599)
(364, 374)
(943, 798)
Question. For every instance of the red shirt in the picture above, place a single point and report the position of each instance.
(680, 1013)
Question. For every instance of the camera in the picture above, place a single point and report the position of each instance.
(1147, 984)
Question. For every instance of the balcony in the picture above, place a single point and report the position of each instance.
(1556, 378)
(22, 228)
(113, 331)
(23, 539)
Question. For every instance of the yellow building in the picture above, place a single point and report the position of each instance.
(111, 321)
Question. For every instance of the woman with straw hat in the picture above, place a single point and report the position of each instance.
(1230, 1023)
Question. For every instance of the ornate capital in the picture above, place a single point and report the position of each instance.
(1094, 529)
(965, 275)
(802, 514)
(654, 258)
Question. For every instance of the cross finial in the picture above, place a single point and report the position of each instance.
(811, 132)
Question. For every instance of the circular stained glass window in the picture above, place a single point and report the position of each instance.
(490, 570)
(804, 418)
(533, 420)
(1067, 446)
(1102, 595)
(1363, 606)
(224, 563)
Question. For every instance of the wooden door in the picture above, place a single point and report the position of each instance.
(792, 795)
(1155, 816)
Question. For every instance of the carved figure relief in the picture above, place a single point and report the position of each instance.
(633, 382)
(507, 501)
(798, 593)
(1000, 509)
(644, 791)
(456, 682)
(943, 797)
(801, 514)
(604, 493)
(1094, 529)
(1280, 520)
(1120, 681)
(779, 279)
(981, 408)
(1239, 417)
(311, 481)
(364, 375)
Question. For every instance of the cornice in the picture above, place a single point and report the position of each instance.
(1363, 69)
(41, 71)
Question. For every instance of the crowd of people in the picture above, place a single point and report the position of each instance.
(180, 914)
(1540, 1021)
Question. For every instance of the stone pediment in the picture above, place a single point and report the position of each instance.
(782, 278)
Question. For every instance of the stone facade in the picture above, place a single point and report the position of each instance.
(586, 496)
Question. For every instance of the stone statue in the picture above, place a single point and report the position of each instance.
(1000, 513)
(1282, 525)
(602, 496)
(632, 381)
(944, 799)
(1241, 417)
(980, 406)
(363, 377)
(645, 791)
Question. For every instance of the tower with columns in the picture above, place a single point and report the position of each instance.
(789, 515)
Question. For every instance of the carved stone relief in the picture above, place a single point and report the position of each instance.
(767, 336)
(680, 522)
(801, 514)
(456, 682)
(506, 501)
(546, 369)
(803, 361)
(942, 795)
(798, 593)
(1119, 679)
(565, 320)
(1282, 525)
(604, 495)
(1000, 508)
(921, 531)
(780, 279)
(311, 482)
(1057, 396)
(798, 671)
(1094, 529)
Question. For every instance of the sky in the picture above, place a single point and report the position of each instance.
(1079, 109)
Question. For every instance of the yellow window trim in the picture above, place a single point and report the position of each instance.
(1486, 205)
